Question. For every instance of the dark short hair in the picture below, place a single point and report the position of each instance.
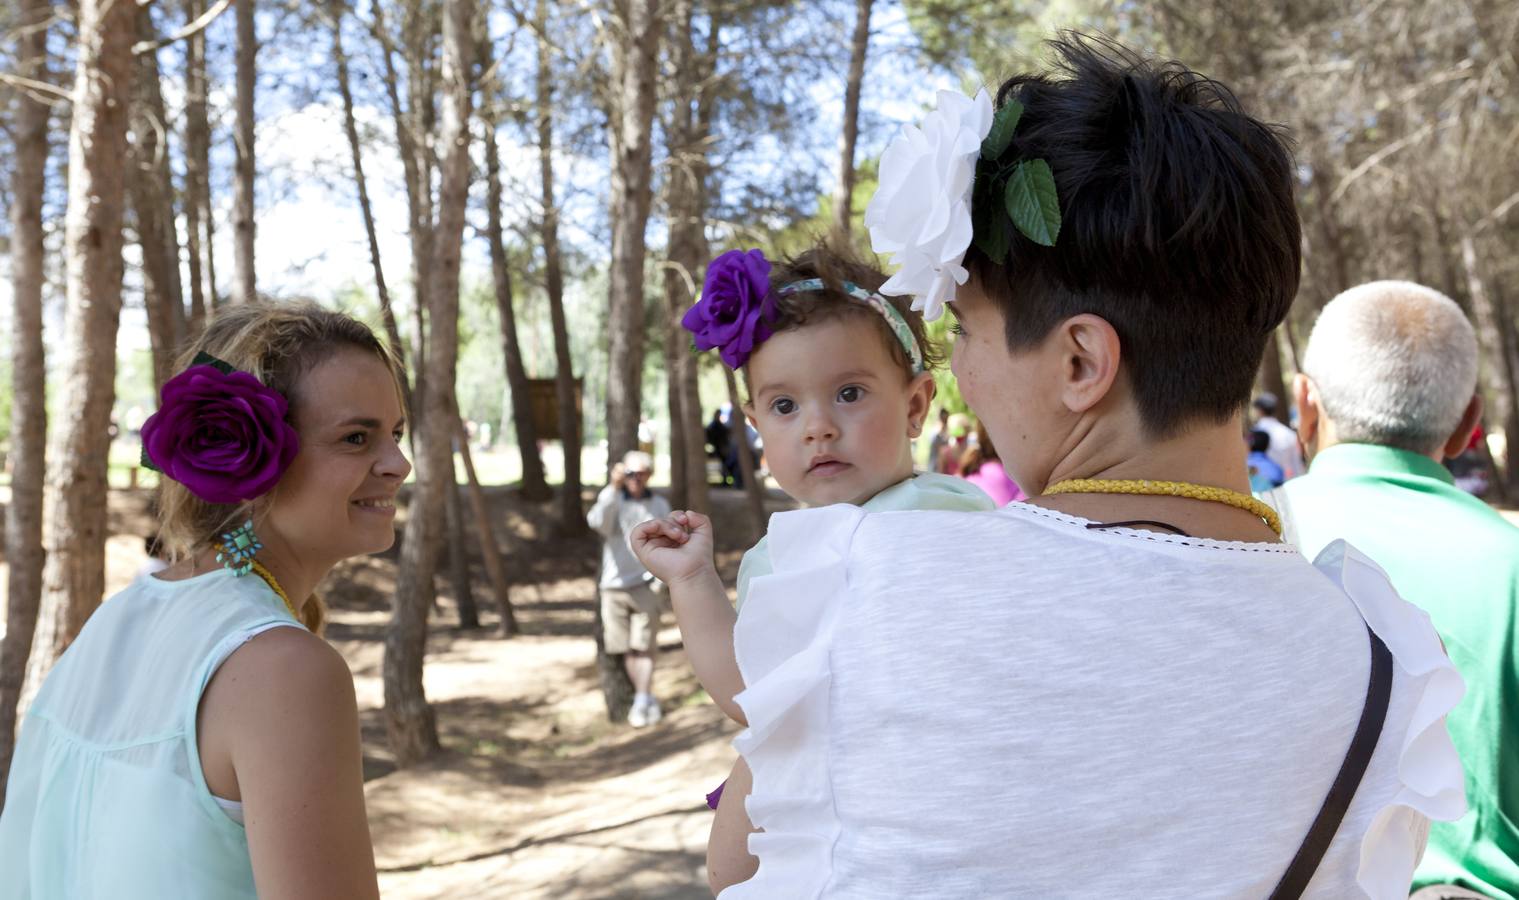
(1178, 226)
(1260, 441)
(836, 266)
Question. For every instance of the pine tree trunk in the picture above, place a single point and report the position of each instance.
(754, 492)
(843, 195)
(688, 131)
(458, 559)
(23, 515)
(418, 191)
(489, 552)
(355, 151)
(1270, 377)
(635, 49)
(616, 686)
(534, 483)
(75, 495)
(420, 25)
(152, 193)
(571, 512)
(197, 165)
(409, 719)
(679, 464)
(1499, 364)
(1287, 336)
(242, 211)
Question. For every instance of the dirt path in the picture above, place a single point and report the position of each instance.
(536, 794)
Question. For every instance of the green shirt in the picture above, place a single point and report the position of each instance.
(1452, 555)
(925, 490)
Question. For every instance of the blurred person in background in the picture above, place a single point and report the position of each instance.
(948, 461)
(981, 466)
(1284, 449)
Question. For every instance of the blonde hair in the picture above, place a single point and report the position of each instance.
(277, 343)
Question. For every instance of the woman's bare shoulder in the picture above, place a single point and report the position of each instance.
(282, 674)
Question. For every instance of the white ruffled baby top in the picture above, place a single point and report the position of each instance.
(1009, 704)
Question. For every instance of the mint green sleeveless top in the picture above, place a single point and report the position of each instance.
(106, 798)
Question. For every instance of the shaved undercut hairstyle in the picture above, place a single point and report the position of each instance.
(1178, 226)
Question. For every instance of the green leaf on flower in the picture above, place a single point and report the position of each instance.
(205, 359)
(1031, 201)
(1003, 123)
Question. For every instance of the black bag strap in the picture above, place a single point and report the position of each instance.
(1357, 758)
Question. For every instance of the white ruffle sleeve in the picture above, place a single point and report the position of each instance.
(782, 642)
(1429, 769)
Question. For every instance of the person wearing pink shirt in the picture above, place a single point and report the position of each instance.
(980, 466)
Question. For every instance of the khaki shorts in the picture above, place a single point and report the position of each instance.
(630, 618)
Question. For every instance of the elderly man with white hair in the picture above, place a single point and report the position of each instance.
(1388, 390)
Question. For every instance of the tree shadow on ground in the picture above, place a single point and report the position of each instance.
(473, 733)
(620, 860)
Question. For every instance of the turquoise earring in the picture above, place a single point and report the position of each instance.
(237, 547)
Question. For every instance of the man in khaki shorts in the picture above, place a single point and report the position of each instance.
(630, 600)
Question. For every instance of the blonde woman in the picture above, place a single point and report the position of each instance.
(199, 738)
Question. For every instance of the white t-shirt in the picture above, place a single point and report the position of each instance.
(1075, 713)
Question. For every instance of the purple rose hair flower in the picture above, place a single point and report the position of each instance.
(736, 307)
(222, 435)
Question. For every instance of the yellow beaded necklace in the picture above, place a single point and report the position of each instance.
(274, 585)
(1170, 489)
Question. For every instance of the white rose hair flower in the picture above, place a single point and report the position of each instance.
(944, 184)
(920, 215)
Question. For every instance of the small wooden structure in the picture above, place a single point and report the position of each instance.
(543, 395)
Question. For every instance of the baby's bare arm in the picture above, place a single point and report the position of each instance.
(706, 625)
(678, 550)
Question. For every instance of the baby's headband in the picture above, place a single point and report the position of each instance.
(894, 318)
(737, 308)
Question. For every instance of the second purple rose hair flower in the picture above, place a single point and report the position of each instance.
(736, 308)
(220, 433)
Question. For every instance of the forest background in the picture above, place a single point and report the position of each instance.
(523, 195)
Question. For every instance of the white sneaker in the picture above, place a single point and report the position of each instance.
(652, 712)
(638, 716)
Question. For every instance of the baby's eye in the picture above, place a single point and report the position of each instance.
(783, 406)
(956, 329)
(851, 394)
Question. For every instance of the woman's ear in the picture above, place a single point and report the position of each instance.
(920, 395)
(1091, 353)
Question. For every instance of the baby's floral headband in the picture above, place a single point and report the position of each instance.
(219, 432)
(945, 184)
(737, 308)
